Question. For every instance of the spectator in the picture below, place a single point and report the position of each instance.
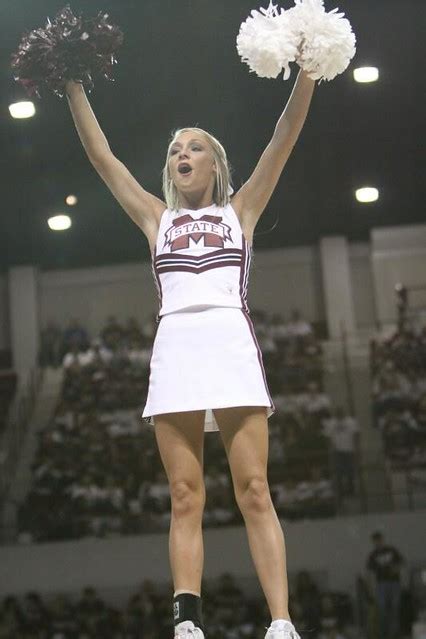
(113, 333)
(266, 341)
(138, 354)
(75, 359)
(74, 335)
(329, 620)
(64, 623)
(297, 326)
(11, 618)
(35, 614)
(314, 402)
(308, 597)
(421, 411)
(99, 354)
(278, 328)
(89, 609)
(399, 430)
(228, 593)
(158, 494)
(384, 564)
(312, 356)
(390, 390)
(132, 331)
(50, 345)
(149, 327)
(220, 510)
(343, 432)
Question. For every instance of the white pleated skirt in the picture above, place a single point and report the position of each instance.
(205, 358)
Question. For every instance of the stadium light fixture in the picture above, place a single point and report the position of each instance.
(21, 110)
(59, 222)
(366, 74)
(367, 194)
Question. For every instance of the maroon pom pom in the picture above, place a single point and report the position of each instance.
(68, 48)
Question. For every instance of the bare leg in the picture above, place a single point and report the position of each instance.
(180, 438)
(244, 432)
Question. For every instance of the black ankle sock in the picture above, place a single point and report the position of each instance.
(187, 607)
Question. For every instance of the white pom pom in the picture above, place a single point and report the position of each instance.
(267, 42)
(328, 42)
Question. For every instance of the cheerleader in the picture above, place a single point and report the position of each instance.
(206, 368)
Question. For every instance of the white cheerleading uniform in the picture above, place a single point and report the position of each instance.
(205, 352)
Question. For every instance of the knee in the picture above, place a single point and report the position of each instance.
(187, 497)
(254, 496)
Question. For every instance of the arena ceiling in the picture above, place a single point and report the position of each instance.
(179, 66)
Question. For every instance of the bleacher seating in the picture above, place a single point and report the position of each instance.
(228, 610)
(398, 367)
(97, 469)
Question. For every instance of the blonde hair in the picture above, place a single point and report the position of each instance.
(222, 189)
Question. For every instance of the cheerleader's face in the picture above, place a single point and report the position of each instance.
(191, 163)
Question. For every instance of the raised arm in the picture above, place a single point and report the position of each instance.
(253, 196)
(144, 208)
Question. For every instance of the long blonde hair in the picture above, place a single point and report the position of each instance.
(222, 189)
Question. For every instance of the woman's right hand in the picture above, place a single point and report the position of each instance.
(72, 86)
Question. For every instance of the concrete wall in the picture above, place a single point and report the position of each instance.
(398, 255)
(280, 280)
(335, 547)
(361, 275)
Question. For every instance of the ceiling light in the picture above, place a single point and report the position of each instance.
(366, 74)
(20, 110)
(367, 194)
(59, 222)
(71, 200)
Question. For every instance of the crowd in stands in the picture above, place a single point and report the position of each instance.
(228, 613)
(97, 470)
(398, 366)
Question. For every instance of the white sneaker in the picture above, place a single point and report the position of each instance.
(281, 629)
(187, 630)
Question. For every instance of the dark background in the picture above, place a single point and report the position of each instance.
(179, 66)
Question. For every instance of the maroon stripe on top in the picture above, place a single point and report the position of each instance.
(192, 269)
(197, 258)
(259, 355)
(207, 260)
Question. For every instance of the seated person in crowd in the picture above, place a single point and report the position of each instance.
(298, 326)
(50, 345)
(314, 402)
(76, 335)
(112, 333)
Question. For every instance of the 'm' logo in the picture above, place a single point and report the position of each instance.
(176, 610)
(185, 228)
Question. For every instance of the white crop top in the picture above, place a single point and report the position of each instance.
(201, 258)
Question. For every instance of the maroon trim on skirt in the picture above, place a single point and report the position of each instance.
(246, 274)
(245, 261)
(259, 355)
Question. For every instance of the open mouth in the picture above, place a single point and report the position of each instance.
(185, 169)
